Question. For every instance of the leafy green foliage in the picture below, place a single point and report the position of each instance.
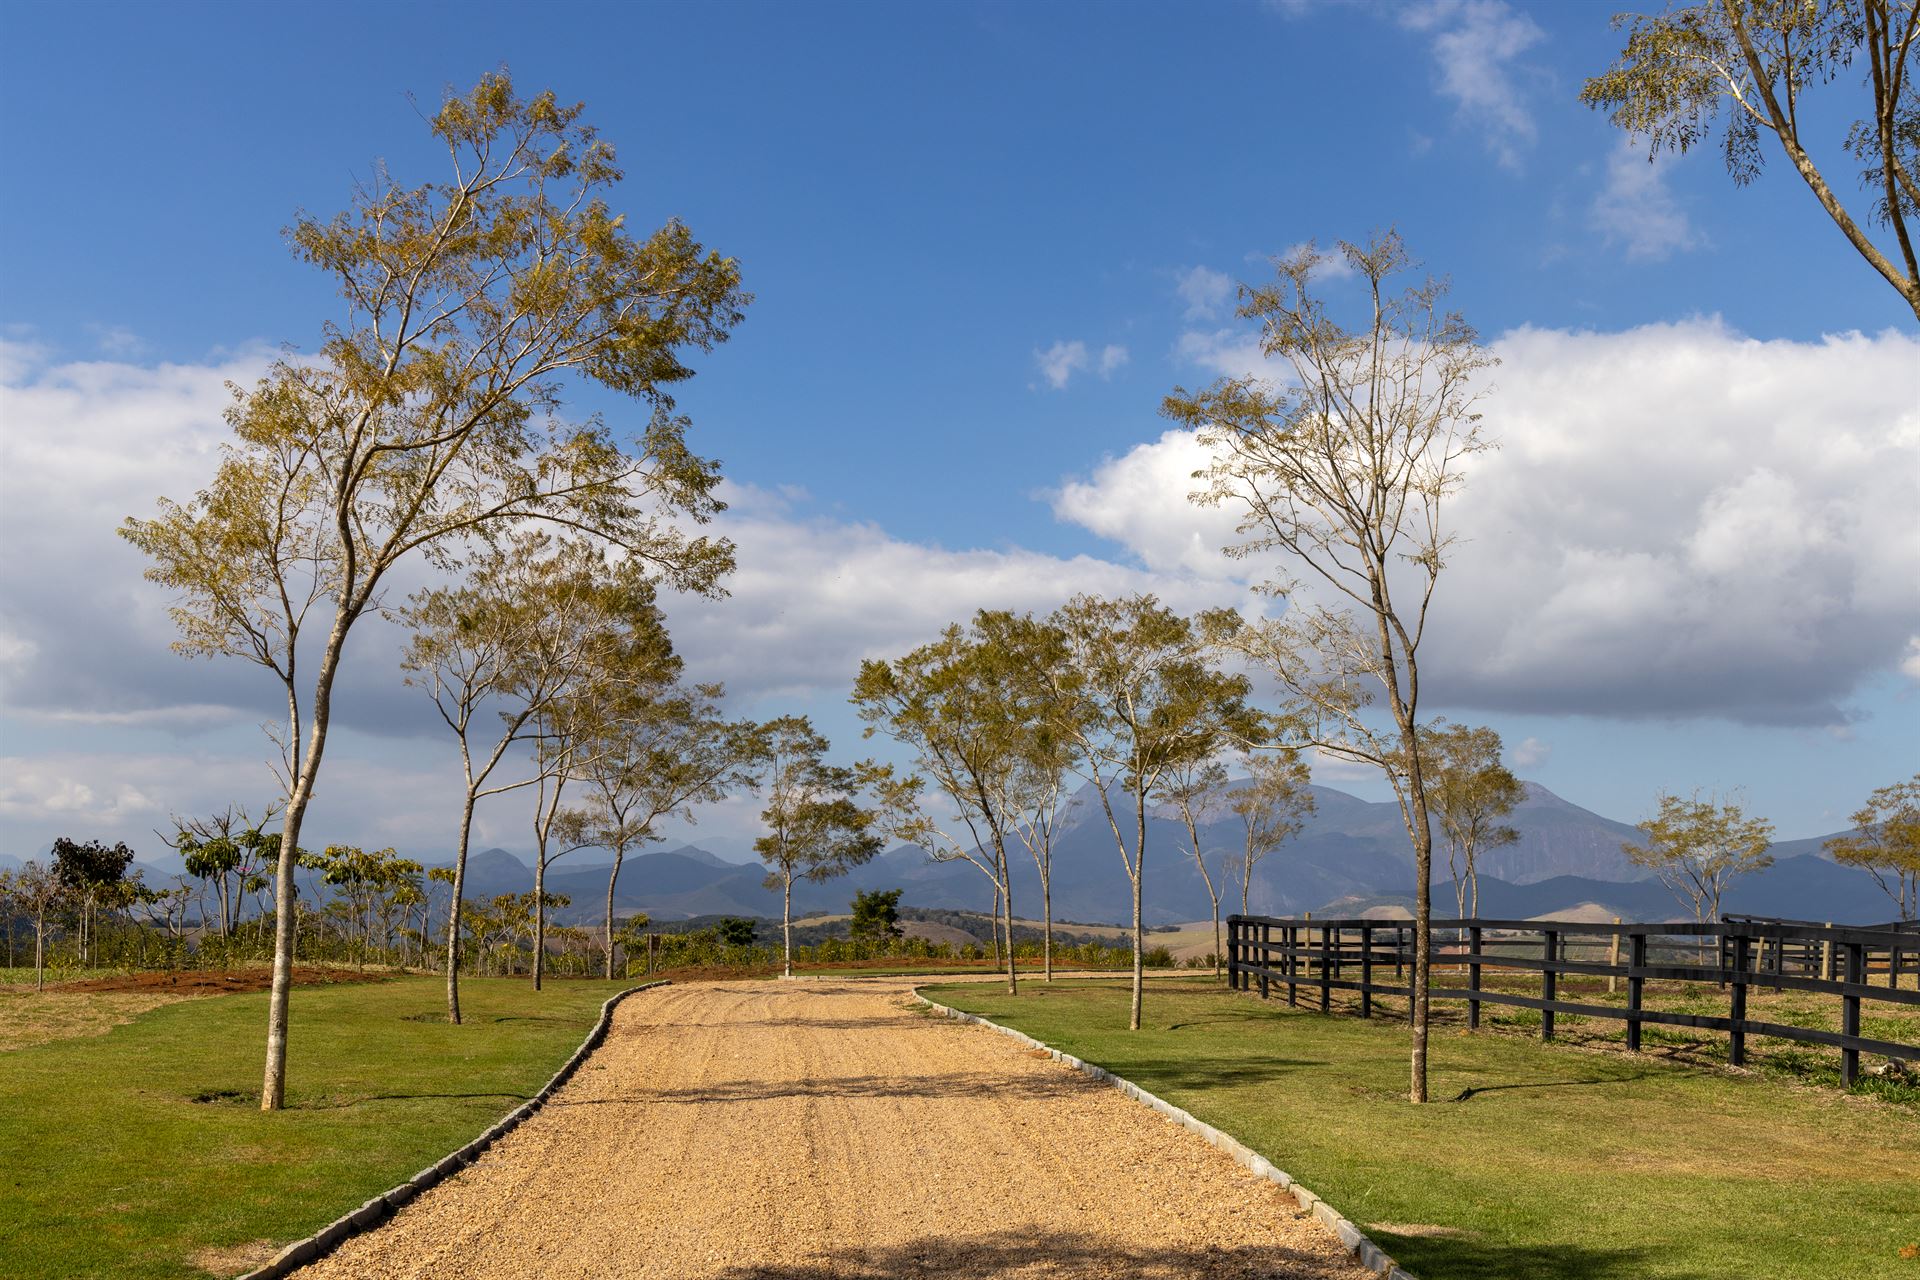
(1753, 63)
(1470, 791)
(876, 913)
(1886, 843)
(1698, 845)
(433, 416)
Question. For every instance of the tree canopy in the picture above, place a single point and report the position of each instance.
(1753, 66)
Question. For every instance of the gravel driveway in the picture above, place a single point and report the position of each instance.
(813, 1129)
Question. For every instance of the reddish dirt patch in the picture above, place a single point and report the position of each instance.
(214, 982)
(724, 973)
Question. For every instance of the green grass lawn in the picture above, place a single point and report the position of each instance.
(131, 1153)
(1544, 1160)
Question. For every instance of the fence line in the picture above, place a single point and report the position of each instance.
(1745, 952)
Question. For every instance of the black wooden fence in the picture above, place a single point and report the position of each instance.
(1739, 953)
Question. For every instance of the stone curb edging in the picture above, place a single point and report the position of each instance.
(1369, 1254)
(381, 1207)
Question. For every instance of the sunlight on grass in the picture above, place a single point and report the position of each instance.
(165, 1166)
(1593, 1164)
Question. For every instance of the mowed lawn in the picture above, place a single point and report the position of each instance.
(1541, 1161)
(142, 1152)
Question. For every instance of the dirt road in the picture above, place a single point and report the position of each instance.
(805, 1130)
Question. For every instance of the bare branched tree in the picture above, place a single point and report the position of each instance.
(1341, 474)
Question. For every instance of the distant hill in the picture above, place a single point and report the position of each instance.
(1797, 888)
(1352, 856)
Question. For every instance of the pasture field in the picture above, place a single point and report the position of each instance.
(1584, 1163)
(137, 1149)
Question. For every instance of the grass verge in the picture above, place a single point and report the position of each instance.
(1546, 1161)
(142, 1152)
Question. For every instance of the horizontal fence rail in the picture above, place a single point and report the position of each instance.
(1319, 957)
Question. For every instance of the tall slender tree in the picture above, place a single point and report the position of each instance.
(1341, 471)
(226, 850)
(1273, 808)
(432, 414)
(1134, 689)
(1195, 788)
(627, 653)
(1698, 845)
(40, 894)
(1471, 792)
(654, 751)
(1885, 842)
(518, 634)
(816, 827)
(957, 703)
(1038, 794)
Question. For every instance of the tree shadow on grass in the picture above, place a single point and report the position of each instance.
(1473, 1091)
(1471, 1257)
(1056, 1254)
(1159, 1074)
(339, 1104)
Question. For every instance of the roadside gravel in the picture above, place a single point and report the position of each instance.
(815, 1129)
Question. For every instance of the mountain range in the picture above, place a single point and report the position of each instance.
(1352, 855)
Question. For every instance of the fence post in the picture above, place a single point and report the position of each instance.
(1266, 959)
(1613, 961)
(1399, 953)
(1366, 971)
(1292, 935)
(1636, 985)
(1473, 977)
(1850, 1012)
(1326, 969)
(1779, 961)
(1827, 958)
(1737, 1036)
(1548, 983)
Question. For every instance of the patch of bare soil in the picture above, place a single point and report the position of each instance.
(95, 1006)
(236, 1259)
(814, 1129)
(215, 982)
(27, 1018)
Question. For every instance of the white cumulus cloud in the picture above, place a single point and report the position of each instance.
(1680, 521)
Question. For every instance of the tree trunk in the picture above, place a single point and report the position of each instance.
(1206, 878)
(613, 879)
(273, 1085)
(40, 951)
(1006, 873)
(1216, 933)
(1046, 921)
(996, 924)
(539, 919)
(1139, 876)
(786, 926)
(1422, 833)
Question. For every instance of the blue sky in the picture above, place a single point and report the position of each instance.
(985, 241)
